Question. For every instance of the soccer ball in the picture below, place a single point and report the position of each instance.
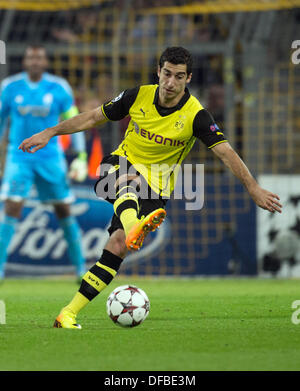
(128, 306)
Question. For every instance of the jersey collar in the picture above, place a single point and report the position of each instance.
(179, 105)
(31, 84)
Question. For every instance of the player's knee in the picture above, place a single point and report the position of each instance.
(135, 180)
(62, 210)
(13, 208)
(116, 244)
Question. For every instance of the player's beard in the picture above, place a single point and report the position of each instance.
(170, 95)
(35, 73)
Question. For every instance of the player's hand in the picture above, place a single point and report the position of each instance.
(266, 200)
(35, 142)
(79, 167)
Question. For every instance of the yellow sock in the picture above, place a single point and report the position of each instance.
(128, 218)
(77, 303)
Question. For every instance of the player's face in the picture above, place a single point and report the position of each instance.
(172, 81)
(35, 62)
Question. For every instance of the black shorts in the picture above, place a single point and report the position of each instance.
(111, 167)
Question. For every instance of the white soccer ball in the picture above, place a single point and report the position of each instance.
(128, 306)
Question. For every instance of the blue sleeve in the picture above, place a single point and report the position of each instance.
(65, 96)
(68, 110)
(4, 108)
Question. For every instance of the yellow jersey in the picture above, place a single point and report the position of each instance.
(156, 140)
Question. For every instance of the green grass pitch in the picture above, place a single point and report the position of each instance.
(194, 324)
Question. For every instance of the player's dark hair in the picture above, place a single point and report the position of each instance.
(177, 55)
(35, 45)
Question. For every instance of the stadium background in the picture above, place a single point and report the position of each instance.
(243, 74)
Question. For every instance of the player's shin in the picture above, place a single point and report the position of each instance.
(7, 230)
(126, 207)
(95, 280)
(73, 237)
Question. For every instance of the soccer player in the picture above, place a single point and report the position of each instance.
(165, 122)
(30, 100)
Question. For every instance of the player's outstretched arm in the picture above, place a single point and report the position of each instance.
(263, 198)
(80, 122)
